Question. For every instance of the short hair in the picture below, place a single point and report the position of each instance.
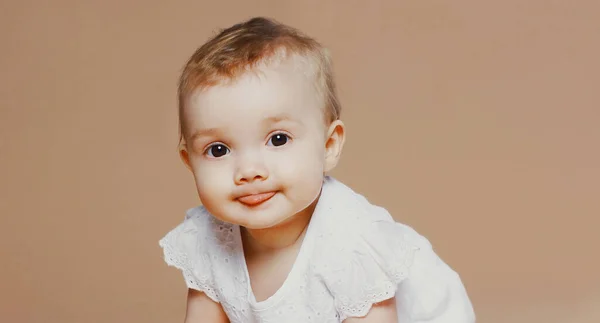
(241, 47)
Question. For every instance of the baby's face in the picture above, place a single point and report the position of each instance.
(257, 146)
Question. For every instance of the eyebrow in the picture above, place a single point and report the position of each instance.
(279, 118)
(209, 132)
(214, 132)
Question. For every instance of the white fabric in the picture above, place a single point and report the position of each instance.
(353, 255)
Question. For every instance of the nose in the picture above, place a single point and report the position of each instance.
(250, 169)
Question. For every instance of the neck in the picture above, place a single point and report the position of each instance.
(282, 236)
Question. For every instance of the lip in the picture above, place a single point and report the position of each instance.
(255, 199)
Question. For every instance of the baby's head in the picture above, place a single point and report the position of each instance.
(259, 122)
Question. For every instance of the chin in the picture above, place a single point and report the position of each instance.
(257, 226)
(242, 216)
(262, 221)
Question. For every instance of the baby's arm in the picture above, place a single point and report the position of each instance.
(384, 312)
(200, 308)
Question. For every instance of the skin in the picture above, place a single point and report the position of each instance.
(258, 149)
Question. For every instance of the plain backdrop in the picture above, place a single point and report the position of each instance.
(476, 122)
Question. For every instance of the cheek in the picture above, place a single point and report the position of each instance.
(303, 163)
(211, 182)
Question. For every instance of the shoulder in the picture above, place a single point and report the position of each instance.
(363, 254)
(189, 235)
(366, 258)
(189, 246)
(342, 205)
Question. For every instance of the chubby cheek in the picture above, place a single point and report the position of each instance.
(212, 185)
(301, 173)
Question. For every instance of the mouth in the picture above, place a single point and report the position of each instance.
(255, 199)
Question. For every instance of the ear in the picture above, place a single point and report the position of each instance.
(334, 142)
(183, 153)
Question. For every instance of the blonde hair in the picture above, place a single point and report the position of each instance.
(242, 47)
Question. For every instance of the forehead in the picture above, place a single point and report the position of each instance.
(287, 87)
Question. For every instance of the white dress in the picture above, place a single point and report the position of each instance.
(353, 255)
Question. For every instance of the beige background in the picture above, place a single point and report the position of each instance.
(476, 122)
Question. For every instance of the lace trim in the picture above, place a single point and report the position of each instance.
(180, 261)
(382, 283)
(387, 289)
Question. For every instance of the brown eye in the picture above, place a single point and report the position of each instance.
(278, 139)
(217, 150)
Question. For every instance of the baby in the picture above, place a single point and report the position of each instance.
(277, 240)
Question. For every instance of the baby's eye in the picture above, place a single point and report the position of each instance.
(278, 139)
(217, 150)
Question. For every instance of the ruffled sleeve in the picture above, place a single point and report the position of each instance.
(184, 248)
(383, 259)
